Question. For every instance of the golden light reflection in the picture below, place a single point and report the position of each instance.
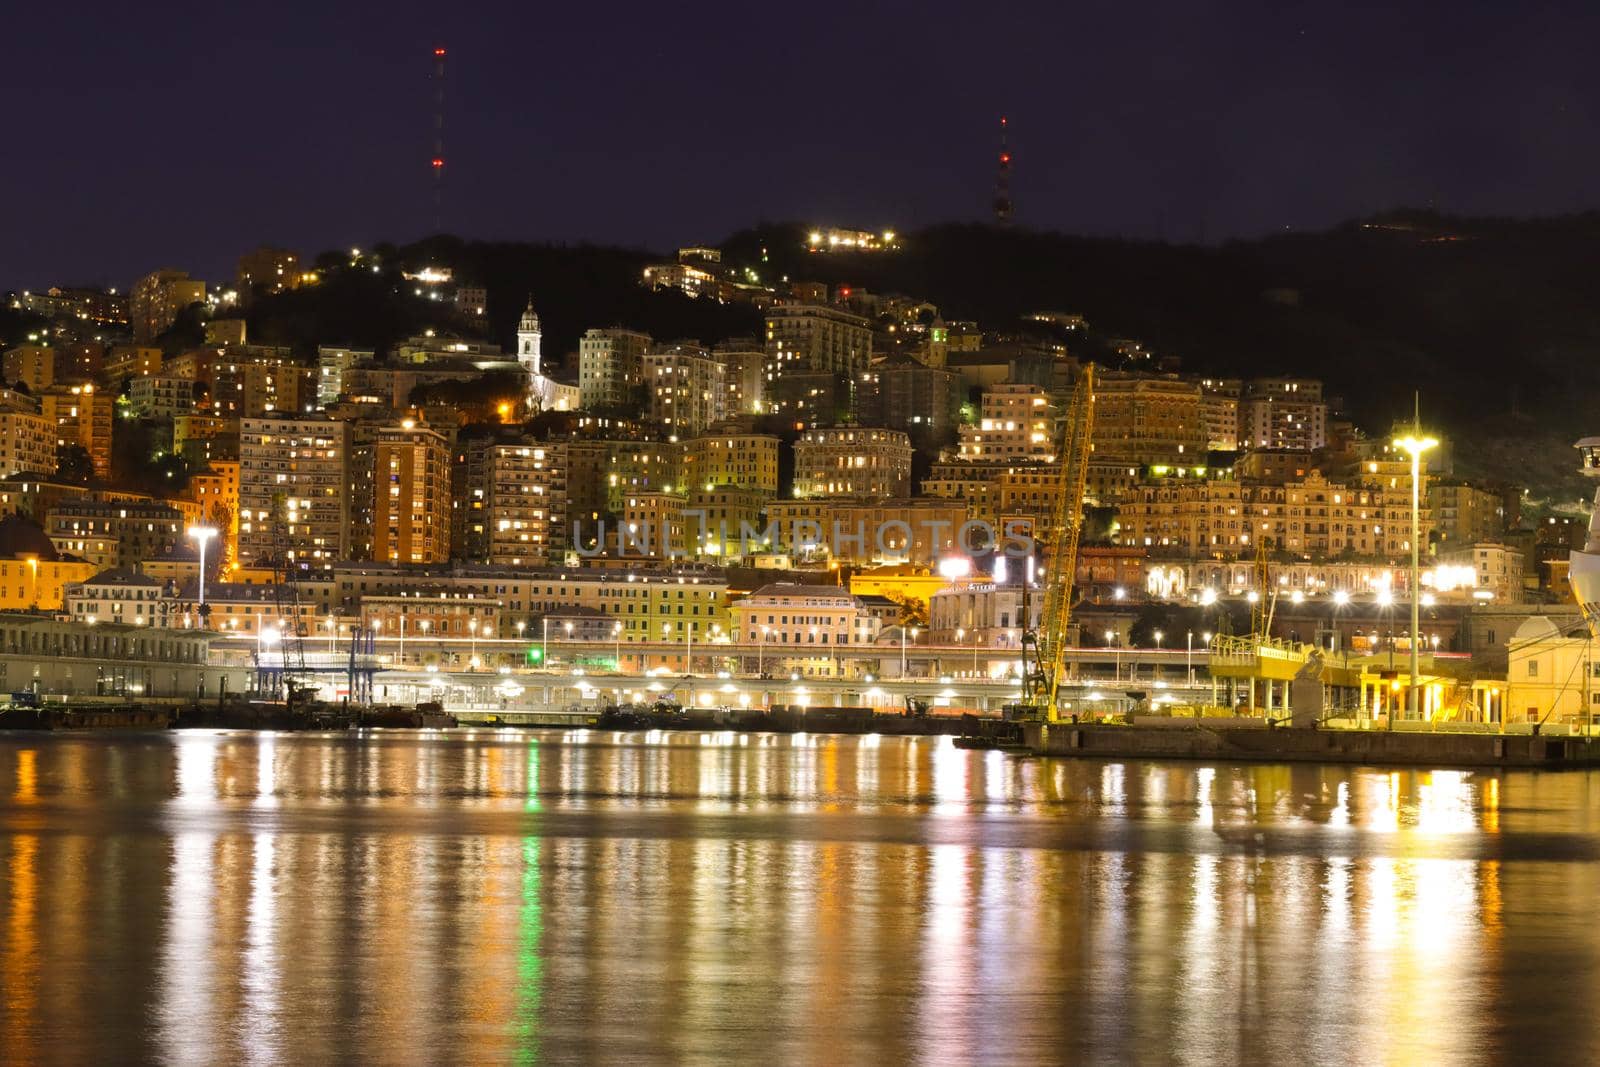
(778, 899)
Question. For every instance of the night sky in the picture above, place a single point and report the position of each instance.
(146, 135)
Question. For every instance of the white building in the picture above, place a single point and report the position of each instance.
(1283, 413)
(120, 594)
(798, 627)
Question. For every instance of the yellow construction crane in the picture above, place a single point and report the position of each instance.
(1060, 543)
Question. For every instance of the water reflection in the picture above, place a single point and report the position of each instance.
(417, 897)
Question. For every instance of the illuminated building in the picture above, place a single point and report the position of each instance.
(82, 416)
(1491, 570)
(654, 525)
(746, 367)
(27, 441)
(985, 614)
(716, 516)
(102, 307)
(130, 361)
(411, 501)
(293, 491)
(113, 533)
(1542, 663)
(1219, 412)
(216, 490)
(512, 504)
(997, 492)
(1015, 422)
(1140, 419)
(698, 272)
(611, 367)
(161, 397)
(1464, 514)
(118, 595)
(268, 270)
(332, 362)
(834, 239)
(31, 365)
(685, 389)
(1283, 413)
(925, 401)
(920, 531)
(159, 298)
(816, 337)
(852, 461)
(1309, 517)
(799, 626)
(746, 460)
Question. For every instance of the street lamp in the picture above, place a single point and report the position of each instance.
(544, 644)
(1158, 636)
(1414, 445)
(472, 628)
(616, 635)
(1188, 657)
(1117, 656)
(761, 652)
(201, 535)
(903, 631)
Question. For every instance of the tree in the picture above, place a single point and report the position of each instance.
(74, 465)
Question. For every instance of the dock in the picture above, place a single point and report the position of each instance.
(1199, 740)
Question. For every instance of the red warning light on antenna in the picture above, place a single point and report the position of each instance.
(1005, 157)
(438, 51)
(437, 162)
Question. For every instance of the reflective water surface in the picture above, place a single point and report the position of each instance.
(536, 897)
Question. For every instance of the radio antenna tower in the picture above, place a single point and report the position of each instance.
(1002, 180)
(438, 139)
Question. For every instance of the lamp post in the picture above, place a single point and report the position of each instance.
(402, 654)
(472, 656)
(761, 653)
(1117, 657)
(544, 644)
(903, 631)
(688, 648)
(1188, 657)
(1414, 445)
(616, 635)
(330, 635)
(567, 626)
(201, 535)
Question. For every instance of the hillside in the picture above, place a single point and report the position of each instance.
(1494, 322)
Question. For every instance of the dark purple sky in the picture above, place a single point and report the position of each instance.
(146, 135)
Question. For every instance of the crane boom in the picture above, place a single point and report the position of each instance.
(1061, 538)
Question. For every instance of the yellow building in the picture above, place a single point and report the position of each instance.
(32, 365)
(216, 491)
(411, 495)
(746, 460)
(82, 415)
(157, 300)
(32, 581)
(1148, 419)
